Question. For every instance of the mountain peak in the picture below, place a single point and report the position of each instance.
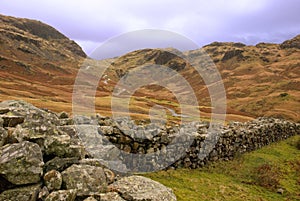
(33, 31)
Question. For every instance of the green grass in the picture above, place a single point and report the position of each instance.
(252, 176)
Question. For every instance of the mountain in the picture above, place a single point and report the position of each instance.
(36, 61)
(261, 80)
(39, 64)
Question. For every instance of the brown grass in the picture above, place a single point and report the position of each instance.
(253, 86)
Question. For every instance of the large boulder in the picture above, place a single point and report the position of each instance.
(21, 163)
(138, 188)
(87, 179)
(30, 114)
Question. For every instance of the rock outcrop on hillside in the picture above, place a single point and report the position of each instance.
(44, 157)
(293, 43)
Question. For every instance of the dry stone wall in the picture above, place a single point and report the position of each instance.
(232, 140)
(42, 159)
(43, 155)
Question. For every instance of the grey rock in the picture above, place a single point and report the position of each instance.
(83, 120)
(104, 152)
(66, 122)
(20, 134)
(88, 180)
(3, 136)
(111, 196)
(90, 199)
(104, 121)
(63, 115)
(43, 194)
(60, 164)
(69, 129)
(62, 195)
(1, 122)
(280, 191)
(138, 188)
(61, 146)
(21, 163)
(28, 193)
(30, 113)
(40, 126)
(107, 130)
(12, 121)
(53, 180)
(4, 110)
(51, 144)
(110, 175)
(93, 162)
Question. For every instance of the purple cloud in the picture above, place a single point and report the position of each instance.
(91, 22)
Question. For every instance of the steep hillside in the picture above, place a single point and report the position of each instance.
(36, 61)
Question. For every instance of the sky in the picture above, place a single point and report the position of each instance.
(93, 22)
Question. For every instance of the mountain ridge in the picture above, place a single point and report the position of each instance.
(260, 80)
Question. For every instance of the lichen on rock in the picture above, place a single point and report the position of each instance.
(21, 163)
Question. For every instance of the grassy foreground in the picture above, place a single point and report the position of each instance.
(252, 176)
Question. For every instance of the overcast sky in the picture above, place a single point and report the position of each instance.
(92, 22)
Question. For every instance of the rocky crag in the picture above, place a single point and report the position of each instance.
(43, 158)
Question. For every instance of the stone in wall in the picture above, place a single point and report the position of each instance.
(21, 163)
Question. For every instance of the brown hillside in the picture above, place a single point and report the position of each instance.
(261, 80)
(39, 64)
